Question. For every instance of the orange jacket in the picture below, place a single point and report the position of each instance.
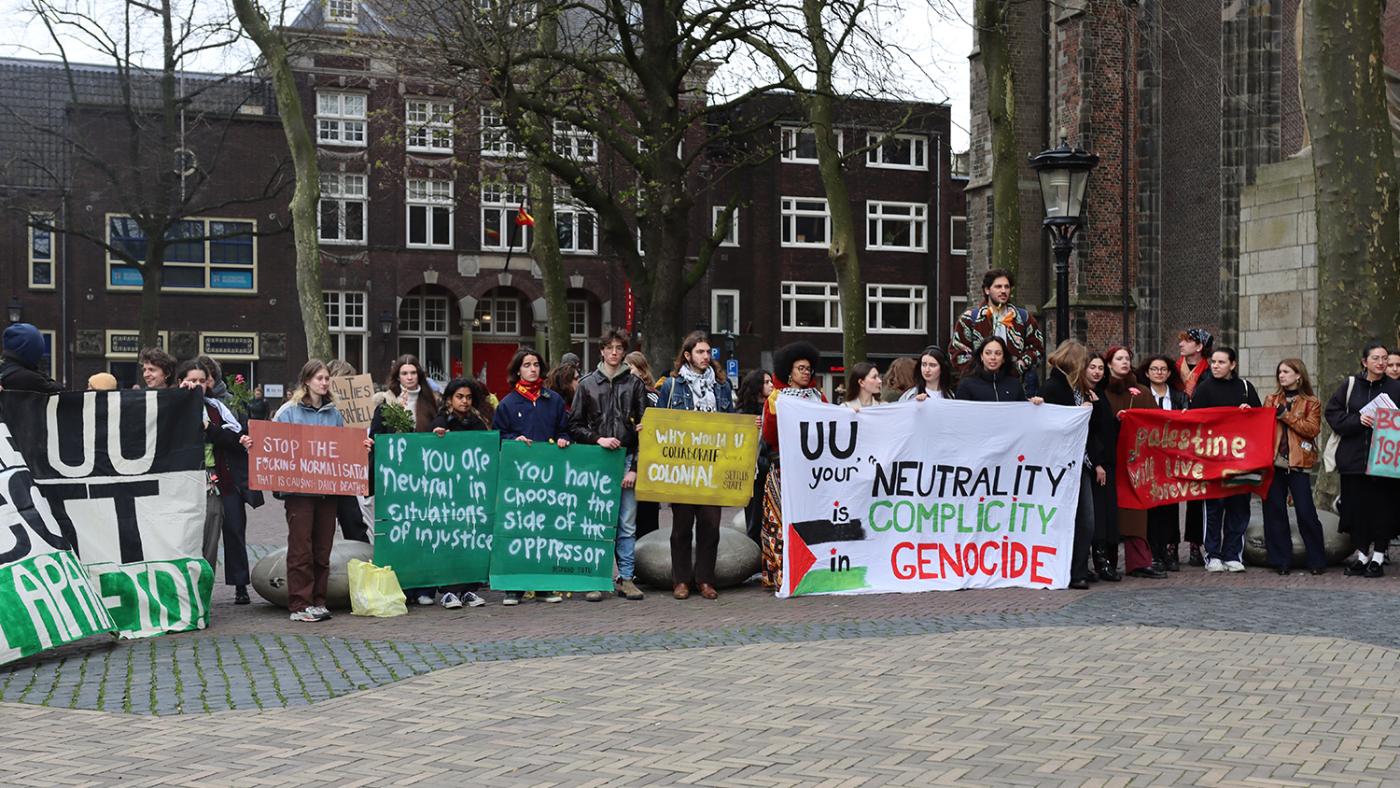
(1304, 422)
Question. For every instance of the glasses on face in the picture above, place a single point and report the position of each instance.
(1159, 370)
(801, 367)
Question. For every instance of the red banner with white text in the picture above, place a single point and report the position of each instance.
(1166, 456)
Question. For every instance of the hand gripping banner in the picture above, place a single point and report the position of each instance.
(1165, 456)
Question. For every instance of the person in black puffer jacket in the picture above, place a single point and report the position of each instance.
(989, 380)
(1370, 505)
(1226, 518)
(24, 349)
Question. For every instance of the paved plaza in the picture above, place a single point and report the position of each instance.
(1201, 679)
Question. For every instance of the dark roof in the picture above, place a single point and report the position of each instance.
(35, 96)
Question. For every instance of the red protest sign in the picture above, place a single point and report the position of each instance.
(294, 458)
(1165, 456)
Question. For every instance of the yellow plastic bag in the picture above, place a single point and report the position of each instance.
(374, 590)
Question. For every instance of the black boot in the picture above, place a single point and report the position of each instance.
(1107, 568)
(1197, 559)
(1172, 560)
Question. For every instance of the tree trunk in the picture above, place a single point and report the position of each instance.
(1358, 216)
(148, 322)
(1001, 105)
(545, 247)
(171, 197)
(307, 194)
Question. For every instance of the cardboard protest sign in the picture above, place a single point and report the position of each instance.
(435, 499)
(122, 479)
(937, 495)
(1385, 445)
(1165, 456)
(696, 458)
(556, 517)
(353, 396)
(296, 458)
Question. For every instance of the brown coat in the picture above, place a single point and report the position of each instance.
(1304, 422)
(1131, 522)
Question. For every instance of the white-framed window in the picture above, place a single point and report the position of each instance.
(731, 236)
(577, 226)
(423, 332)
(517, 13)
(897, 151)
(500, 207)
(806, 222)
(49, 355)
(578, 319)
(574, 143)
(899, 226)
(957, 234)
(211, 255)
(340, 118)
(896, 309)
(348, 321)
(429, 213)
(811, 306)
(498, 315)
(724, 311)
(428, 125)
(41, 254)
(344, 208)
(799, 144)
(341, 11)
(496, 139)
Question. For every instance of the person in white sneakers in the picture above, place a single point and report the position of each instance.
(1226, 518)
(1370, 505)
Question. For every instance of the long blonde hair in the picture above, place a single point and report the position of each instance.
(1072, 359)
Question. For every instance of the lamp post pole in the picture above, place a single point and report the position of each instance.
(1062, 236)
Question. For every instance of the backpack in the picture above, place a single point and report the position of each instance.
(1329, 453)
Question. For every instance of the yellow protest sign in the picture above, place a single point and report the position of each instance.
(696, 458)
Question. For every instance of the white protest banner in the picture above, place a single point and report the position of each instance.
(924, 496)
(46, 596)
(123, 475)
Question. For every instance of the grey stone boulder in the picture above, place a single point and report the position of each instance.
(270, 574)
(1336, 545)
(737, 561)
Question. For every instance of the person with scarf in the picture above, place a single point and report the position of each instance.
(1191, 367)
(794, 375)
(1370, 505)
(1164, 522)
(693, 386)
(998, 317)
(530, 413)
(1297, 421)
(1226, 518)
(1118, 392)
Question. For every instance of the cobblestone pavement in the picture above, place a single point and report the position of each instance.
(1206, 679)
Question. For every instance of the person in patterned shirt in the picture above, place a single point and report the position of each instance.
(997, 316)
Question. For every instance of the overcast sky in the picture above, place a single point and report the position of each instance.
(935, 34)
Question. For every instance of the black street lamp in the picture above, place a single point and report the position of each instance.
(1064, 177)
(386, 323)
(16, 310)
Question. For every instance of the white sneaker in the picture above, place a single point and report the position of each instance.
(1215, 565)
(308, 616)
(512, 599)
(472, 599)
(321, 611)
(1234, 566)
(425, 600)
(551, 597)
(450, 601)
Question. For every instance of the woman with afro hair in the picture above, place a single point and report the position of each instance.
(794, 375)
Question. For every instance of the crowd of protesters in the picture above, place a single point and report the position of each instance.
(995, 355)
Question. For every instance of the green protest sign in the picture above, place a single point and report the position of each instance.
(434, 499)
(556, 517)
(153, 597)
(46, 600)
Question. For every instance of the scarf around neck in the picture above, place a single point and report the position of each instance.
(530, 390)
(702, 387)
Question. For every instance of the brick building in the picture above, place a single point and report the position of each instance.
(420, 250)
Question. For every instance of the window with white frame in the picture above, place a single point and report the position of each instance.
(498, 315)
(811, 306)
(731, 235)
(342, 11)
(516, 12)
(578, 319)
(41, 254)
(799, 144)
(724, 311)
(897, 151)
(896, 309)
(208, 255)
(806, 222)
(899, 226)
(423, 332)
(343, 213)
(577, 226)
(957, 234)
(349, 326)
(496, 138)
(429, 125)
(340, 118)
(429, 213)
(574, 143)
(500, 205)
